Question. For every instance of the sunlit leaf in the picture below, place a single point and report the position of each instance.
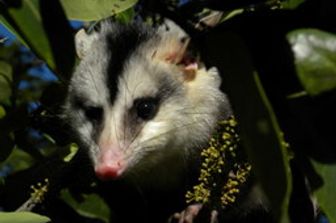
(73, 151)
(326, 195)
(93, 206)
(260, 131)
(89, 10)
(22, 217)
(315, 59)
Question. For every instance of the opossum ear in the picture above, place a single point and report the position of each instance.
(211, 20)
(174, 49)
(83, 42)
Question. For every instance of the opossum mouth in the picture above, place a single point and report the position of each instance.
(189, 66)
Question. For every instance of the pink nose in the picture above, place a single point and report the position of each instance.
(111, 162)
(107, 171)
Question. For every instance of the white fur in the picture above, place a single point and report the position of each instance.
(183, 122)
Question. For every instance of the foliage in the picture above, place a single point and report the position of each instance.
(224, 169)
(279, 71)
(22, 217)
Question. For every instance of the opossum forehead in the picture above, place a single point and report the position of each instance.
(122, 45)
(143, 78)
(121, 60)
(98, 73)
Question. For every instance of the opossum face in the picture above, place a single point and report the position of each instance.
(133, 104)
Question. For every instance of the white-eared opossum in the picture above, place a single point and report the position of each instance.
(141, 105)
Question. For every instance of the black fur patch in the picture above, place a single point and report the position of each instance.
(122, 42)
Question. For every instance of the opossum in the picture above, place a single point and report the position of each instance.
(142, 105)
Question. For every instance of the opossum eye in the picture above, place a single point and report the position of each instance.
(94, 113)
(146, 108)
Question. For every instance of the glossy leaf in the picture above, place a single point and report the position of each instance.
(315, 59)
(12, 30)
(59, 34)
(93, 206)
(25, 21)
(291, 4)
(326, 195)
(88, 10)
(18, 160)
(260, 132)
(22, 217)
(73, 149)
(2, 112)
(126, 16)
(5, 81)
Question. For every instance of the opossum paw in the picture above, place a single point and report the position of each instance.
(190, 213)
(186, 216)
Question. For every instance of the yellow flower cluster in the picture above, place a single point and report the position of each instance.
(39, 192)
(37, 196)
(230, 189)
(223, 169)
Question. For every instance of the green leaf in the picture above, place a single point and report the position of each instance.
(93, 206)
(2, 112)
(291, 4)
(6, 145)
(315, 59)
(126, 16)
(12, 30)
(326, 195)
(88, 10)
(25, 22)
(60, 37)
(260, 131)
(18, 160)
(73, 151)
(5, 81)
(22, 217)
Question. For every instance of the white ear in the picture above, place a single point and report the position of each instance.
(211, 20)
(174, 50)
(174, 43)
(83, 42)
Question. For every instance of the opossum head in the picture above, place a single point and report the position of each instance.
(137, 99)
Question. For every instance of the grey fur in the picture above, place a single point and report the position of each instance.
(188, 110)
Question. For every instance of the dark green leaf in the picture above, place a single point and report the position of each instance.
(93, 206)
(5, 81)
(60, 37)
(291, 4)
(25, 21)
(2, 112)
(326, 195)
(6, 145)
(88, 10)
(315, 59)
(22, 217)
(18, 160)
(126, 16)
(12, 30)
(259, 129)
